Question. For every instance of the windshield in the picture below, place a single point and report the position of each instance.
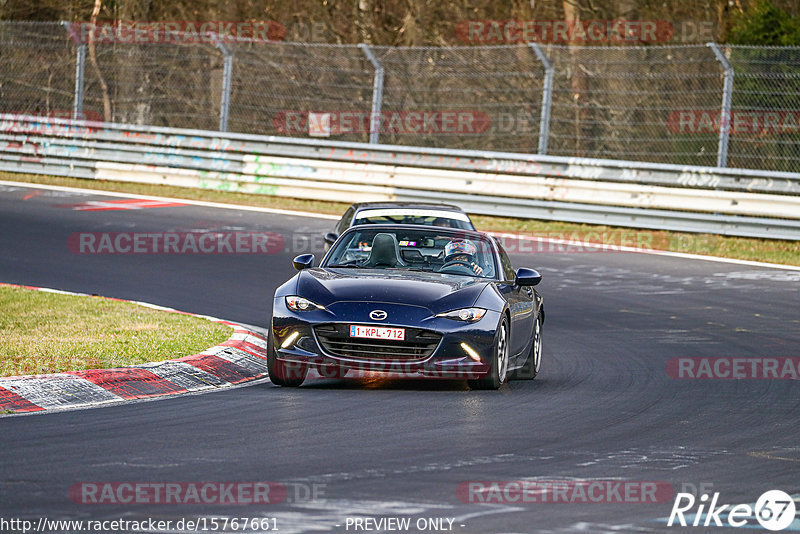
(414, 249)
(425, 217)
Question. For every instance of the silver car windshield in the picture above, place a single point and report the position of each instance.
(414, 250)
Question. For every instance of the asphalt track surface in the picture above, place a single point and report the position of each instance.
(602, 408)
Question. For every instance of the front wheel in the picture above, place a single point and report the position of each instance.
(498, 374)
(530, 369)
(283, 374)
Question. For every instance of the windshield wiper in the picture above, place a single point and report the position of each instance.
(414, 269)
(337, 265)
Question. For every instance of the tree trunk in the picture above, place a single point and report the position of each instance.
(98, 4)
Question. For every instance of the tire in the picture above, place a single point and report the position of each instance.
(533, 363)
(279, 373)
(498, 374)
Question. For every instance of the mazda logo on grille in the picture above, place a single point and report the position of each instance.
(377, 315)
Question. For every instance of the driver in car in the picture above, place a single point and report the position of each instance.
(461, 254)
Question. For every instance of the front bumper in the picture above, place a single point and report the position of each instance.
(298, 344)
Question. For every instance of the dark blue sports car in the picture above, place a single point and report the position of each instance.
(408, 301)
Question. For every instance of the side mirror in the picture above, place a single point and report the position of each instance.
(303, 261)
(527, 277)
(331, 237)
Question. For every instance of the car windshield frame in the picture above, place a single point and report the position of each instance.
(430, 239)
(404, 216)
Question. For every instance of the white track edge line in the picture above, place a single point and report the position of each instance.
(203, 203)
(668, 253)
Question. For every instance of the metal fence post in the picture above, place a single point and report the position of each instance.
(80, 62)
(77, 108)
(727, 98)
(547, 97)
(227, 73)
(377, 94)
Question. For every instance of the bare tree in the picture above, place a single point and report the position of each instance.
(98, 5)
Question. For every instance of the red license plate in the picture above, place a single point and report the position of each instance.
(378, 332)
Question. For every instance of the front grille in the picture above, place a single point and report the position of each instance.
(335, 340)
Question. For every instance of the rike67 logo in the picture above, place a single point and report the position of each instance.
(774, 510)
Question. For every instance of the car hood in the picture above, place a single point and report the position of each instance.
(434, 291)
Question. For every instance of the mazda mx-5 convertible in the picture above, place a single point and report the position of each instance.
(408, 301)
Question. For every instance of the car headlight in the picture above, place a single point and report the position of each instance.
(468, 315)
(296, 303)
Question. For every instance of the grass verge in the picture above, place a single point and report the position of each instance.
(766, 250)
(46, 332)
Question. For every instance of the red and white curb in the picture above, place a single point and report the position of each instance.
(242, 358)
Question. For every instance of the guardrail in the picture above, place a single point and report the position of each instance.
(623, 193)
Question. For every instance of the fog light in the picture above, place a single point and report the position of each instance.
(289, 340)
(471, 352)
